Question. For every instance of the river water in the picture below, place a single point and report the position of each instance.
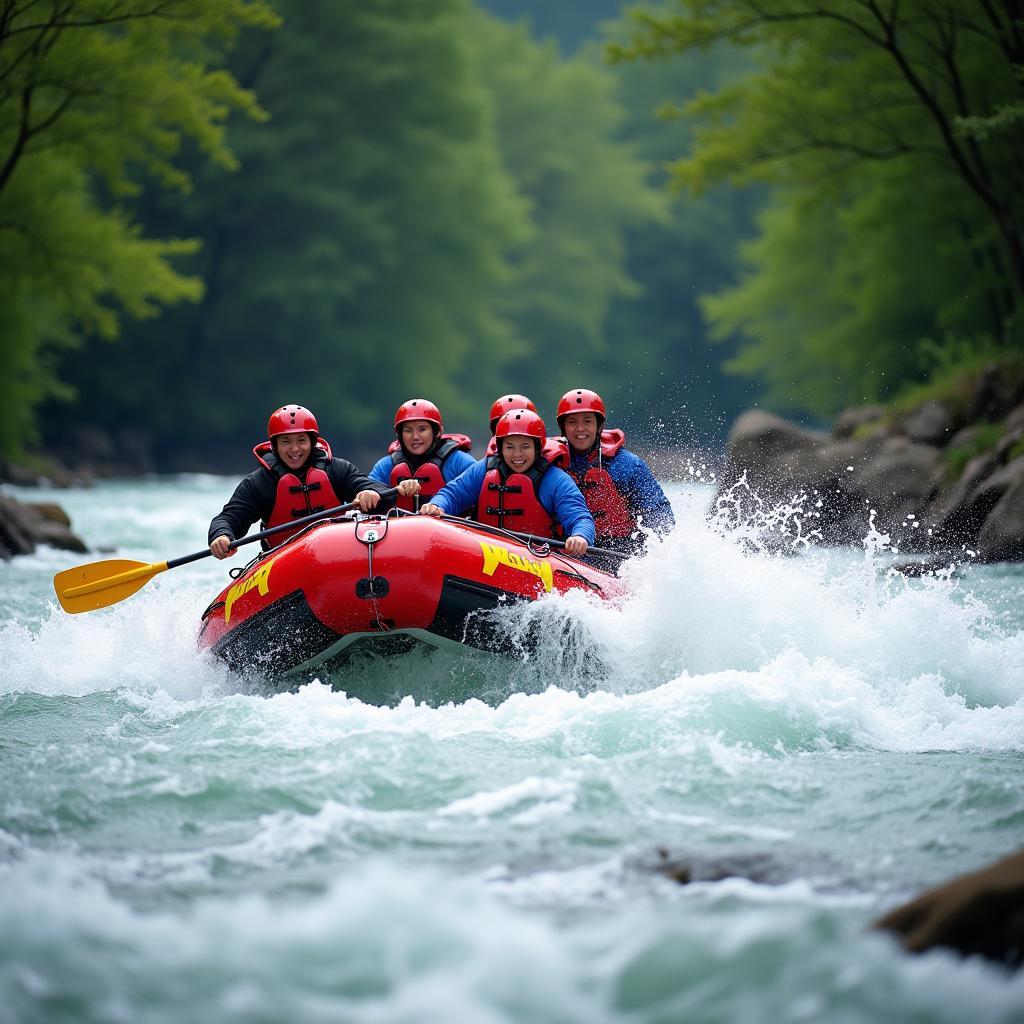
(180, 844)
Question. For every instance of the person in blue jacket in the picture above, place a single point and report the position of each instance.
(619, 487)
(517, 489)
(422, 451)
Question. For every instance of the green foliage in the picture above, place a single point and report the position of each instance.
(841, 285)
(90, 93)
(866, 119)
(358, 251)
(556, 122)
(956, 383)
(661, 368)
(436, 206)
(986, 436)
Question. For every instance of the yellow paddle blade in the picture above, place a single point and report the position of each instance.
(100, 584)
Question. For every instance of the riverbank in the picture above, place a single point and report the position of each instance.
(943, 474)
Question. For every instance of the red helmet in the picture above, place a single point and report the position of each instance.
(580, 400)
(418, 409)
(524, 422)
(291, 419)
(508, 403)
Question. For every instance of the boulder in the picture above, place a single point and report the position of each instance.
(1015, 421)
(759, 439)
(993, 397)
(930, 423)
(775, 456)
(979, 914)
(896, 480)
(900, 478)
(1008, 441)
(965, 437)
(45, 472)
(14, 537)
(23, 526)
(952, 517)
(849, 421)
(1001, 537)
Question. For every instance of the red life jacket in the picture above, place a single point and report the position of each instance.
(296, 498)
(608, 505)
(430, 472)
(555, 451)
(509, 500)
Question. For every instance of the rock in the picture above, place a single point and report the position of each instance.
(953, 519)
(777, 458)
(849, 421)
(689, 866)
(45, 472)
(930, 423)
(1001, 538)
(14, 538)
(965, 437)
(23, 526)
(979, 914)
(993, 396)
(1015, 421)
(895, 481)
(1008, 441)
(759, 436)
(51, 512)
(902, 479)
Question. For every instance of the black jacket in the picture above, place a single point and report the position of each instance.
(253, 500)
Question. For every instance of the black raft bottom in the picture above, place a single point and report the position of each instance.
(287, 634)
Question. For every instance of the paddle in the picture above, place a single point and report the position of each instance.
(85, 588)
(533, 538)
(591, 550)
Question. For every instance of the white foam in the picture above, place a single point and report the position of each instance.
(711, 635)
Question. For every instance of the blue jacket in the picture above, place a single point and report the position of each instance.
(635, 482)
(456, 463)
(557, 492)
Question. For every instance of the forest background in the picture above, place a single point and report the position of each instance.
(209, 210)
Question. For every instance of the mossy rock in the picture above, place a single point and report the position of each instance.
(955, 458)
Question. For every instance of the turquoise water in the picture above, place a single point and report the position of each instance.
(178, 844)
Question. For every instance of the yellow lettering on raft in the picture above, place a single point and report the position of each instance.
(258, 579)
(495, 555)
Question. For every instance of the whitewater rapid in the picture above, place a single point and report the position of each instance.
(177, 842)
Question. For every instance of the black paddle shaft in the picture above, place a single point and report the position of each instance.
(252, 538)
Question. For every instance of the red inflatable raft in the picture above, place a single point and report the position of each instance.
(386, 583)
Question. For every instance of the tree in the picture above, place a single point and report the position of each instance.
(559, 126)
(690, 253)
(859, 107)
(357, 253)
(437, 206)
(92, 91)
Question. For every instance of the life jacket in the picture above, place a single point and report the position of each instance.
(296, 498)
(509, 500)
(555, 451)
(608, 505)
(430, 472)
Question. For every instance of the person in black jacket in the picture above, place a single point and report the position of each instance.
(298, 476)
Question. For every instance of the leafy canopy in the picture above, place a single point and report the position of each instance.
(93, 93)
(867, 117)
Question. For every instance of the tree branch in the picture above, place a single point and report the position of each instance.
(20, 140)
